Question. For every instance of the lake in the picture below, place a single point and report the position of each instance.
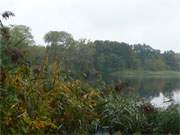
(161, 92)
(161, 88)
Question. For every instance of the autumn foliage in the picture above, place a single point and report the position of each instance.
(44, 103)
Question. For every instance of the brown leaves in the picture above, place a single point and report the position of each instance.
(38, 124)
(148, 108)
(71, 104)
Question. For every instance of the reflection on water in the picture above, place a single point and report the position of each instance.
(158, 91)
(176, 96)
(163, 101)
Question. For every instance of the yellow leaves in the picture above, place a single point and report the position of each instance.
(56, 70)
(77, 82)
(23, 70)
(91, 95)
(21, 109)
(41, 97)
(38, 124)
(13, 105)
(16, 80)
(18, 83)
(86, 96)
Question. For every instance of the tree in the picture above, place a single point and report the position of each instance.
(150, 59)
(58, 41)
(58, 38)
(4, 39)
(13, 40)
(171, 60)
(4, 31)
(20, 36)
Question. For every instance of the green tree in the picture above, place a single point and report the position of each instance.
(171, 60)
(20, 36)
(58, 41)
(4, 39)
(58, 38)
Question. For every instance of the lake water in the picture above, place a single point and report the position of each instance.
(161, 92)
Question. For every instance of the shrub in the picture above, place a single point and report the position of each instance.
(43, 103)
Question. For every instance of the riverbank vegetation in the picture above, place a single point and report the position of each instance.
(46, 104)
(61, 88)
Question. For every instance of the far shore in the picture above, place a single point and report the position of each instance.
(147, 74)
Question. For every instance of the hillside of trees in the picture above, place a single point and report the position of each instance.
(91, 59)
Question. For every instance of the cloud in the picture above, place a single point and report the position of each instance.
(155, 22)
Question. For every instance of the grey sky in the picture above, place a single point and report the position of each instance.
(154, 22)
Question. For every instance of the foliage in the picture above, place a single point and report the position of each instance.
(123, 114)
(58, 38)
(168, 121)
(99, 59)
(40, 103)
(133, 115)
(20, 36)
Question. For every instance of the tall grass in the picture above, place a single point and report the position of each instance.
(43, 103)
(131, 115)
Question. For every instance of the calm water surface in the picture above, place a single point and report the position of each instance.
(161, 92)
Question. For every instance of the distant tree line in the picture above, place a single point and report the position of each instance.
(89, 59)
(96, 58)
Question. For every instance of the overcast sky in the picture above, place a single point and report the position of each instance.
(154, 22)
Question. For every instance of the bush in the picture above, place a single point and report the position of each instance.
(129, 115)
(43, 103)
(168, 121)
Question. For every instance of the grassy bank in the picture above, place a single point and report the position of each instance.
(147, 74)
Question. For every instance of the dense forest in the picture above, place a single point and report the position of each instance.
(48, 89)
(90, 59)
